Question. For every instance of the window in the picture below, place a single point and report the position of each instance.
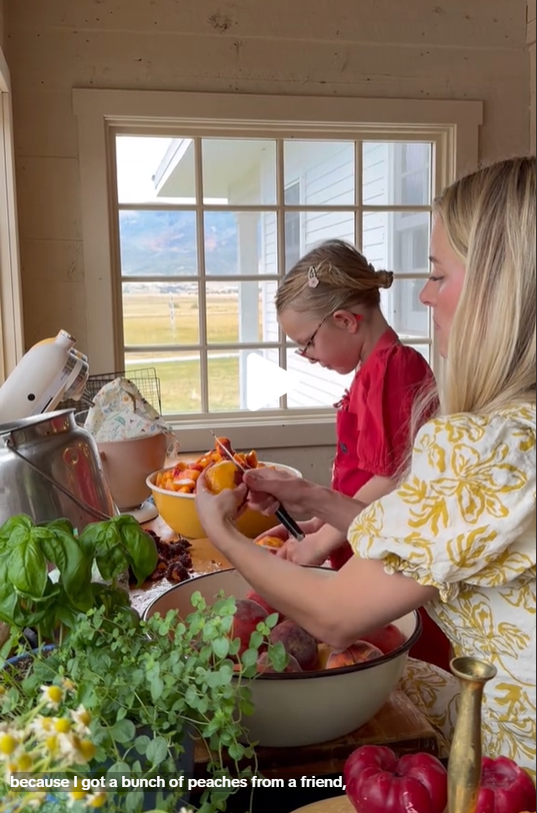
(208, 200)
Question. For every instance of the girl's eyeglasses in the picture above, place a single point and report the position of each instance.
(303, 351)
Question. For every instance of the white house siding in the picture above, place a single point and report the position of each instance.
(329, 182)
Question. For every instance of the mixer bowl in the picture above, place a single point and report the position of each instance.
(126, 465)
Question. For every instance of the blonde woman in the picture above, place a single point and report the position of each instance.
(458, 534)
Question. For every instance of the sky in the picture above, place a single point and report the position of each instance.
(137, 160)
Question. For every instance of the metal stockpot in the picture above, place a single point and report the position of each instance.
(49, 469)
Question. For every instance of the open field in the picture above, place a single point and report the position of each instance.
(164, 319)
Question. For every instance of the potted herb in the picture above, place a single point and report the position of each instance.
(49, 574)
(121, 700)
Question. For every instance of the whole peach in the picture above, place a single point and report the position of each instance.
(359, 652)
(296, 642)
(247, 616)
(386, 638)
(264, 665)
(251, 595)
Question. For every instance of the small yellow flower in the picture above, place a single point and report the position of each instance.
(69, 745)
(87, 749)
(62, 725)
(8, 743)
(77, 795)
(51, 743)
(42, 725)
(81, 716)
(96, 799)
(52, 695)
(25, 763)
(2, 690)
(68, 685)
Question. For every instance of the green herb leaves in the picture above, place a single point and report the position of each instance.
(31, 596)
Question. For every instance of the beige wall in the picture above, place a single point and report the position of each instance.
(425, 49)
(531, 45)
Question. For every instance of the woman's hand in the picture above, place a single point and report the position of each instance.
(268, 488)
(306, 552)
(215, 510)
(281, 532)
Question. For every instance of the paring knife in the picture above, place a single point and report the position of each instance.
(286, 519)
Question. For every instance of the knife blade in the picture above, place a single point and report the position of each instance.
(285, 518)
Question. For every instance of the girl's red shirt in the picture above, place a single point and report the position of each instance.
(374, 416)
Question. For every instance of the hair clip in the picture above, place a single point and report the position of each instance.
(313, 279)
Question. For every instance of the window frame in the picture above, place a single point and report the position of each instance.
(11, 318)
(102, 114)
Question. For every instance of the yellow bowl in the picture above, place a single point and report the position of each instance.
(179, 510)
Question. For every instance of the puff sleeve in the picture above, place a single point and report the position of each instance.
(466, 511)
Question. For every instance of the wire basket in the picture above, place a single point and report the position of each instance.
(144, 379)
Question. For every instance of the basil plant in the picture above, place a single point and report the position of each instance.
(46, 571)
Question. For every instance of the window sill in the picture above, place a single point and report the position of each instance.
(264, 432)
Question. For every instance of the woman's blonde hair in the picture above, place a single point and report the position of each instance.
(333, 276)
(489, 219)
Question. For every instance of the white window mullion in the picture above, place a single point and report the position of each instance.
(280, 241)
(358, 194)
(202, 298)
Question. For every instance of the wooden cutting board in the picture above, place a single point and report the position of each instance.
(340, 804)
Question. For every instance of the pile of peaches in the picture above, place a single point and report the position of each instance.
(221, 471)
(305, 653)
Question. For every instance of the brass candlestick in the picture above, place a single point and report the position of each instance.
(464, 770)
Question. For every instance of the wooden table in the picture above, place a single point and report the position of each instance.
(398, 724)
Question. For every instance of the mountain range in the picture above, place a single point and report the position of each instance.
(163, 243)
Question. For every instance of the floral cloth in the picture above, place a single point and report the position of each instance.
(464, 521)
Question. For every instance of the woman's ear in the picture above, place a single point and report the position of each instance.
(347, 320)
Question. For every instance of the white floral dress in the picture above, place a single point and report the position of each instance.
(464, 521)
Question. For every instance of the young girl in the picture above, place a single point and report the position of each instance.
(329, 304)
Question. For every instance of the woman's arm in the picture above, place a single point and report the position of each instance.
(335, 608)
(269, 488)
(318, 545)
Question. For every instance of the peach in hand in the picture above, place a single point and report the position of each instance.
(296, 642)
(359, 652)
(222, 475)
(247, 616)
(271, 543)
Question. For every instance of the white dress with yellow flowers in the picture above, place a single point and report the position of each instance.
(464, 521)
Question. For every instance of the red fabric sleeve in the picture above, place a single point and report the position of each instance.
(389, 393)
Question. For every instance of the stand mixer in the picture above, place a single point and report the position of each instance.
(49, 467)
(50, 372)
